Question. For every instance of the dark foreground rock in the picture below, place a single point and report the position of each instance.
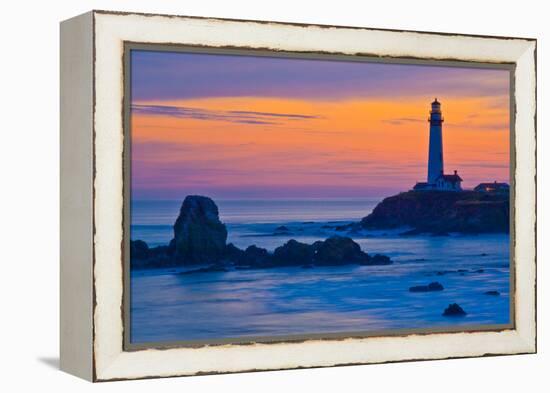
(200, 238)
(454, 310)
(439, 213)
(293, 253)
(431, 287)
(338, 250)
(144, 257)
(334, 251)
(199, 234)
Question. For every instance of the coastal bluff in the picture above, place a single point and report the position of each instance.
(439, 213)
(200, 238)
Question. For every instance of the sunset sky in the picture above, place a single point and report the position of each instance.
(260, 127)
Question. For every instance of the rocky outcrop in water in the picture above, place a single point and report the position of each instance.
(144, 257)
(293, 253)
(200, 238)
(439, 213)
(334, 251)
(431, 287)
(199, 234)
(454, 310)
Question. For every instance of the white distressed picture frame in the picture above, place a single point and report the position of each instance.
(92, 141)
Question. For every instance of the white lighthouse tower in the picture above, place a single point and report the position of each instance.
(435, 157)
(437, 179)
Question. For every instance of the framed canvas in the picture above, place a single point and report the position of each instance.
(246, 195)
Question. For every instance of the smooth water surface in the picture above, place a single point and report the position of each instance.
(166, 306)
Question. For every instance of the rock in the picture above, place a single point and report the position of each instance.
(333, 251)
(439, 212)
(139, 249)
(199, 234)
(281, 228)
(144, 257)
(293, 253)
(338, 250)
(479, 271)
(208, 269)
(492, 293)
(232, 253)
(255, 257)
(454, 310)
(377, 259)
(431, 287)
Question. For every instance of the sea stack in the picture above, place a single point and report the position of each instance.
(199, 235)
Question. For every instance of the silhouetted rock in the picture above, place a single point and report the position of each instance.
(377, 259)
(431, 287)
(233, 253)
(200, 238)
(333, 251)
(199, 234)
(144, 257)
(492, 293)
(255, 257)
(338, 250)
(454, 310)
(440, 212)
(139, 249)
(293, 253)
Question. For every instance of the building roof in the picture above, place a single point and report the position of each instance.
(492, 185)
(450, 178)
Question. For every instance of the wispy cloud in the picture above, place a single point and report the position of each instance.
(242, 117)
(495, 126)
(403, 120)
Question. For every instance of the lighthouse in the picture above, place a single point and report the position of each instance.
(435, 157)
(437, 179)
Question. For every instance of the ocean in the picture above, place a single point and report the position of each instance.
(168, 307)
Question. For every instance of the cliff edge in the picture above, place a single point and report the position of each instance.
(440, 212)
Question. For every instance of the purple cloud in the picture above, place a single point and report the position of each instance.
(243, 117)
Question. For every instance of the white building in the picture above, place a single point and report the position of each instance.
(437, 179)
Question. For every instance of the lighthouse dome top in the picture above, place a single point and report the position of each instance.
(436, 107)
